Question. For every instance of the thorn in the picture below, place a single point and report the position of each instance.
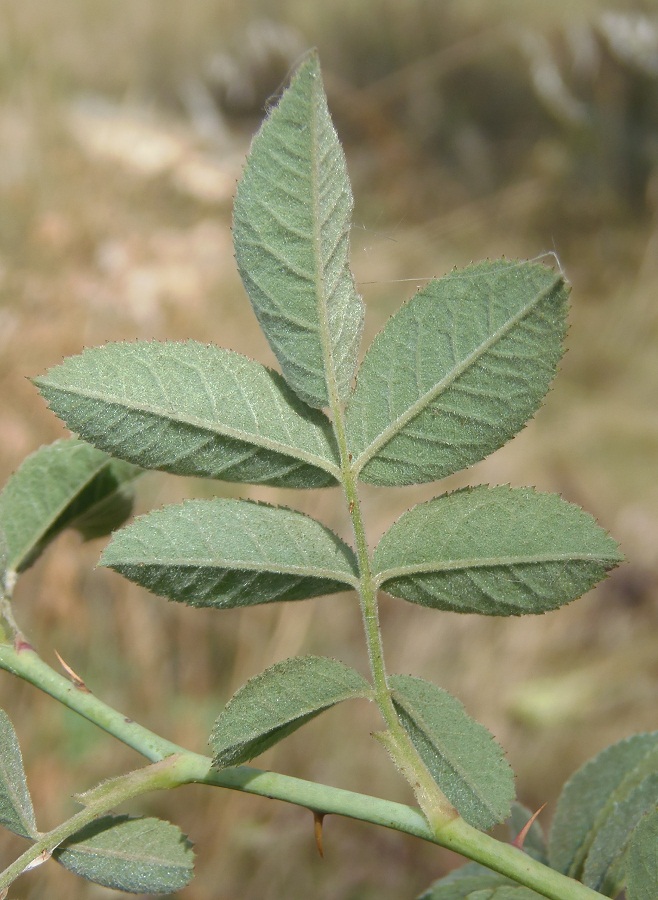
(521, 836)
(317, 827)
(77, 681)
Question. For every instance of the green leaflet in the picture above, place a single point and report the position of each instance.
(227, 553)
(139, 856)
(496, 551)
(604, 868)
(478, 887)
(460, 888)
(193, 409)
(464, 881)
(456, 372)
(642, 860)
(277, 702)
(16, 812)
(505, 892)
(67, 484)
(462, 756)
(592, 795)
(291, 232)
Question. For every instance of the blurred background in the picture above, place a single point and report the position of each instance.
(472, 130)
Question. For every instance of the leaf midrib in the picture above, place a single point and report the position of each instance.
(441, 386)
(488, 562)
(124, 855)
(188, 562)
(245, 437)
(331, 383)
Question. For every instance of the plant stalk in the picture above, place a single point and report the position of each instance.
(177, 766)
(433, 802)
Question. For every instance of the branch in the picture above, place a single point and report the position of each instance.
(179, 766)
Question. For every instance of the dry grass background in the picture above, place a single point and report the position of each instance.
(123, 127)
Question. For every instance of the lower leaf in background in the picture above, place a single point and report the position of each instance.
(472, 885)
(604, 869)
(642, 859)
(68, 484)
(139, 856)
(600, 806)
(16, 812)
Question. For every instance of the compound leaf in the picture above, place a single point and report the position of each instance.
(277, 702)
(642, 860)
(462, 756)
(193, 409)
(292, 217)
(591, 795)
(227, 553)
(67, 484)
(497, 551)
(16, 812)
(139, 856)
(456, 372)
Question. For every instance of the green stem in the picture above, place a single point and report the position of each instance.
(177, 766)
(367, 589)
(27, 664)
(395, 739)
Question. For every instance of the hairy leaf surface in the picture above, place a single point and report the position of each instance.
(291, 233)
(16, 812)
(456, 372)
(498, 551)
(591, 796)
(193, 409)
(227, 553)
(67, 484)
(604, 868)
(462, 756)
(139, 856)
(277, 702)
(642, 860)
